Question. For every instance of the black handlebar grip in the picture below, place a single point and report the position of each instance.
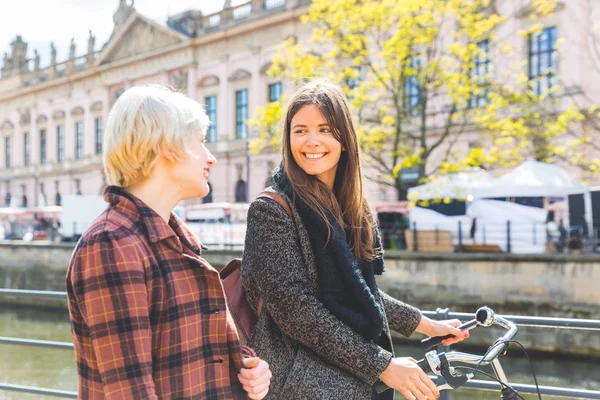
(380, 387)
(431, 342)
(424, 365)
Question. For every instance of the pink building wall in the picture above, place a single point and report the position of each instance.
(216, 62)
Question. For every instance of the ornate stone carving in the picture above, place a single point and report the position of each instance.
(7, 66)
(179, 79)
(266, 66)
(239, 74)
(96, 107)
(141, 38)
(91, 45)
(72, 49)
(6, 127)
(36, 61)
(77, 111)
(118, 92)
(42, 119)
(52, 54)
(58, 115)
(25, 116)
(19, 55)
(16, 62)
(254, 49)
(91, 42)
(208, 81)
(122, 13)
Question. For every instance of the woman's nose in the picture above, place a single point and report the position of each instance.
(312, 139)
(211, 159)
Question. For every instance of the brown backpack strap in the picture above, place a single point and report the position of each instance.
(273, 195)
(260, 304)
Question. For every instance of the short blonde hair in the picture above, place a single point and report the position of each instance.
(145, 122)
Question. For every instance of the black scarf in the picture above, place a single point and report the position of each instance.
(346, 288)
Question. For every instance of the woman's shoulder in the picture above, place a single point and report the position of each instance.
(272, 200)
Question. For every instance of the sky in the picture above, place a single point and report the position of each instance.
(40, 22)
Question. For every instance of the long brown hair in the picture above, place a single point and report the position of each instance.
(347, 205)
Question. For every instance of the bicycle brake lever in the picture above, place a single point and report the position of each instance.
(453, 381)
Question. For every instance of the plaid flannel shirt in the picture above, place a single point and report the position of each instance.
(148, 315)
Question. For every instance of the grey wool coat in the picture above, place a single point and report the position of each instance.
(311, 353)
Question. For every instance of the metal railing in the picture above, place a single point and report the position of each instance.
(538, 322)
(506, 237)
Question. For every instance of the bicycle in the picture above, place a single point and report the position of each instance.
(441, 364)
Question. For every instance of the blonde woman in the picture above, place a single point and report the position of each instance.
(148, 313)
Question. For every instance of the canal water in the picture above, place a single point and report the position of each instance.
(55, 368)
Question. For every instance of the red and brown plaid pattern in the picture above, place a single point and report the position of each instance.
(148, 314)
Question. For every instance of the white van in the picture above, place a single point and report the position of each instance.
(218, 224)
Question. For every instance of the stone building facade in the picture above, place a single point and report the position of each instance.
(52, 117)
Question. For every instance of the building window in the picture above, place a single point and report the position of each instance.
(543, 61)
(24, 196)
(412, 90)
(274, 92)
(78, 187)
(42, 146)
(98, 134)
(26, 152)
(7, 148)
(78, 140)
(241, 114)
(352, 83)
(241, 191)
(211, 110)
(57, 197)
(480, 74)
(209, 197)
(60, 143)
(42, 201)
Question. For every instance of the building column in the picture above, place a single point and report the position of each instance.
(192, 80)
(88, 129)
(34, 156)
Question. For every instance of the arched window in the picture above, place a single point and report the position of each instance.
(208, 198)
(240, 191)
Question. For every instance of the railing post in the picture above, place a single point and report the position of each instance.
(460, 242)
(484, 235)
(415, 241)
(437, 235)
(440, 315)
(508, 244)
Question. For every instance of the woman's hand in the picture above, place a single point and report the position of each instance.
(404, 375)
(255, 377)
(433, 328)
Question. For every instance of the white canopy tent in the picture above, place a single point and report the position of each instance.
(527, 225)
(458, 185)
(532, 179)
(537, 179)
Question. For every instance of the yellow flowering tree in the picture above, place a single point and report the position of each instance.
(411, 71)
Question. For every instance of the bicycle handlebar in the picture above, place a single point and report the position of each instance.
(439, 364)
